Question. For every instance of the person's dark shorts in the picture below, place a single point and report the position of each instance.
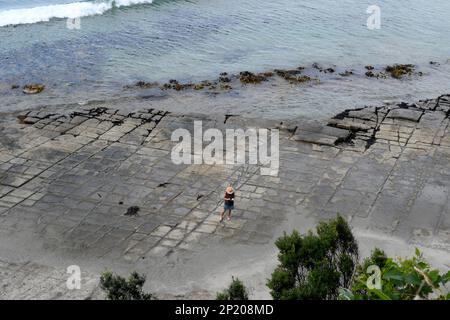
(228, 206)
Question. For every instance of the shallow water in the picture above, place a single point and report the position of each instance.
(198, 39)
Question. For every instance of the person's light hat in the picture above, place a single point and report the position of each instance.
(230, 189)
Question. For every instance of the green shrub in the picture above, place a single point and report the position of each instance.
(315, 266)
(401, 279)
(118, 288)
(236, 291)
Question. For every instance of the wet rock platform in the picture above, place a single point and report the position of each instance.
(68, 179)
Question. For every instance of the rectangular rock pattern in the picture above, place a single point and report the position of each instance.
(66, 181)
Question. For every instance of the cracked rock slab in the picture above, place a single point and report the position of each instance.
(405, 114)
(64, 192)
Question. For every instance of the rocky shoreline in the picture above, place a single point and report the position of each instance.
(314, 92)
(70, 178)
(295, 76)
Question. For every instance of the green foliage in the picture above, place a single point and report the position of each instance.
(118, 288)
(236, 291)
(377, 258)
(401, 279)
(315, 266)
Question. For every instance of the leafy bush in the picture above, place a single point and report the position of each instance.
(118, 288)
(315, 266)
(401, 279)
(236, 291)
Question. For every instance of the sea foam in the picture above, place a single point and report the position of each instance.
(70, 10)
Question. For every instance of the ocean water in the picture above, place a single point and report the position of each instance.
(122, 41)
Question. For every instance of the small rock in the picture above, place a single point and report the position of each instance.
(33, 88)
(346, 73)
(163, 185)
(29, 120)
(199, 86)
(349, 125)
(247, 77)
(143, 84)
(293, 77)
(397, 71)
(132, 211)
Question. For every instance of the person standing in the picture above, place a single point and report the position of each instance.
(228, 203)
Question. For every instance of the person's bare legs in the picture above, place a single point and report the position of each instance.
(221, 215)
(229, 214)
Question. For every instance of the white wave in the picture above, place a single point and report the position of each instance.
(70, 10)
